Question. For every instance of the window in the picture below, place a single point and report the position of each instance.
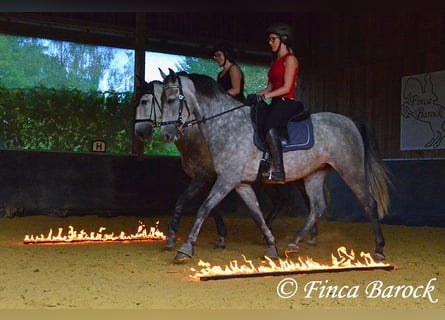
(62, 96)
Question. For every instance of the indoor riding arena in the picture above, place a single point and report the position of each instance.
(85, 215)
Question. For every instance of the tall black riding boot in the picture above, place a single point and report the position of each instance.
(276, 174)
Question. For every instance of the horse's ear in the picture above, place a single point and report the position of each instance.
(172, 73)
(141, 82)
(163, 75)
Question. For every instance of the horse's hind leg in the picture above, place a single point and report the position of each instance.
(314, 189)
(276, 196)
(356, 181)
(248, 195)
(370, 207)
(220, 229)
(314, 233)
(314, 230)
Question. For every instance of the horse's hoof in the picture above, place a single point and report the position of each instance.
(292, 248)
(181, 258)
(186, 249)
(312, 242)
(272, 252)
(185, 253)
(219, 245)
(379, 256)
(170, 243)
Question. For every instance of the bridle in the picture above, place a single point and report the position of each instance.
(154, 104)
(183, 104)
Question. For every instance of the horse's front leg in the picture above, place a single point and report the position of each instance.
(248, 195)
(197, 185)
(219, 191)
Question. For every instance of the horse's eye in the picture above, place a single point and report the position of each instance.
(171, 100)
(144, 102)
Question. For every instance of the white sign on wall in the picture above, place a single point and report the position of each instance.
(422, 121)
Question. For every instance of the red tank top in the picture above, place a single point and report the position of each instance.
(276, 76)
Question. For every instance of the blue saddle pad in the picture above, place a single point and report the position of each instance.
(301, 136)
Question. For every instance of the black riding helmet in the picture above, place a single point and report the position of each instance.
(227, 49)
(281, 30)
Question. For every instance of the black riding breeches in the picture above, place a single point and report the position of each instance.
(276, 115)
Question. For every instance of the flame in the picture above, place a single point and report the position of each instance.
(343, 260)
(99, 236)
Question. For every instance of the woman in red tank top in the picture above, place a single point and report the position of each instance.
(282, 77)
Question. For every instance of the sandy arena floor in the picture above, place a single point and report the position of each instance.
(141, 275)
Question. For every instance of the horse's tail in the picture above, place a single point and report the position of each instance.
(377, 173)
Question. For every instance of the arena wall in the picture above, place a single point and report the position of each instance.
(61, 184)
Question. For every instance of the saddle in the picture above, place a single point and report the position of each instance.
(300, 133)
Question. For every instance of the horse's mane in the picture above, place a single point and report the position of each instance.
(205, 86)
(147, 87)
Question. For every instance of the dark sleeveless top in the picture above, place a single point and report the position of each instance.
(226, 82)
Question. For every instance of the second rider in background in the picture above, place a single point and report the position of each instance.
(231, 77)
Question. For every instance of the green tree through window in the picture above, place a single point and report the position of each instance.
(61, 96)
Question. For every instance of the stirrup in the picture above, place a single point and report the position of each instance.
(271, 179)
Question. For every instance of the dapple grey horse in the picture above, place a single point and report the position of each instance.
(196, 162)
(340, 145)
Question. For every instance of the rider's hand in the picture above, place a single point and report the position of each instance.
(253, 99)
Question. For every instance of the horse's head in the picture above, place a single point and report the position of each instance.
(148, 111)
(177, 103)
